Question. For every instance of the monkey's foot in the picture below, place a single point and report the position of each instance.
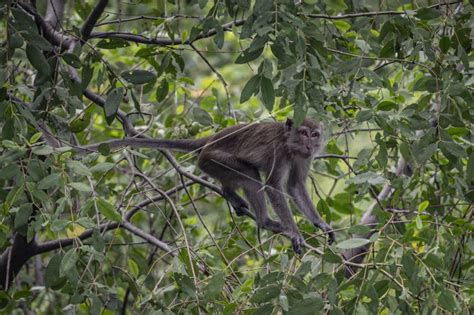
(297, 242)
(241, 211)
(328, 230)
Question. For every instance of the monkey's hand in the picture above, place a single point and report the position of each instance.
(328, 230)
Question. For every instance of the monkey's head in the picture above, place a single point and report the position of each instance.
(305, 140)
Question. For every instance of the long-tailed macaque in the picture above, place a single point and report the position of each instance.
(237, 157)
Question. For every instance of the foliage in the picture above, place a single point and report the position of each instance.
(109, 232)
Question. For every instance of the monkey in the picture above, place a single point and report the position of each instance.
(239, 155)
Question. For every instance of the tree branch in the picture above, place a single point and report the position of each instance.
(377, 13)
(13, 258)
(54, 12)
(357, 255)
(89, 24)
(53, 36)
(147, 237)
(163, 41)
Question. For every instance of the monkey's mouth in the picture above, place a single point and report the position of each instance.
(306, 153)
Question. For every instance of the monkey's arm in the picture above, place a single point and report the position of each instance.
(183, 145)
(297, 190)
(280, 206)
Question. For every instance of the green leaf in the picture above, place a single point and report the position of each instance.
(34, 138)
(309, 306)
(81, 187)
(427, 13)
(367, 177)
(423, 206)
(68, 262)
(352, 243)
(387, 105)
(162, 90)
(214, 287)
(186, 284)
(104, 149)
(434, 261)
(59, 225)
(135, 101)
(23, 214)
(359, 229)
(79, 168)
(452, 148)
(38, 60)
(426, 83)
(448, 301)
(262, 295)
(138, 76)
(444, 44)
(323, 209)
(42, 150)
(336, 5)
(108, 210)
(51, 274)
(201, 116)
(268, 93)
(9, 171)
(102, 167)
(300, 109)
(250, 88)
(364, 115)
(418, 222)
(49, 181)
(247, 56)
(388, 50)
(470, 169)
(112, 103)
(98, 241)
(133, 267)
(72, 60)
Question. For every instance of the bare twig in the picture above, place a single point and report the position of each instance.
(375, 14)
(148, 237)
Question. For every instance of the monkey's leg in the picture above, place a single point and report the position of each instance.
(256, 197)
(280, 206)
(240, 206)
(232, 172)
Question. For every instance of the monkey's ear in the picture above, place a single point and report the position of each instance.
(288, 124)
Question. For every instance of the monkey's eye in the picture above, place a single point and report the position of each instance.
(304, 132)
(316, 134)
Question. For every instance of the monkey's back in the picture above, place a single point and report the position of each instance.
(259, 144)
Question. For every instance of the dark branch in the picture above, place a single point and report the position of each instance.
(92, 19)
(163, 41)
(53, 36)
(13, 258)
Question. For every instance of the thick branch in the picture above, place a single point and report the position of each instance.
(92, 19)
(13, 258)
(54, 12)
(53, 36)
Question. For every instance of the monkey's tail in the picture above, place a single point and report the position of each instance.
(182, 145)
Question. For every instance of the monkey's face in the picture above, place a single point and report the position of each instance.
(306, 140)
